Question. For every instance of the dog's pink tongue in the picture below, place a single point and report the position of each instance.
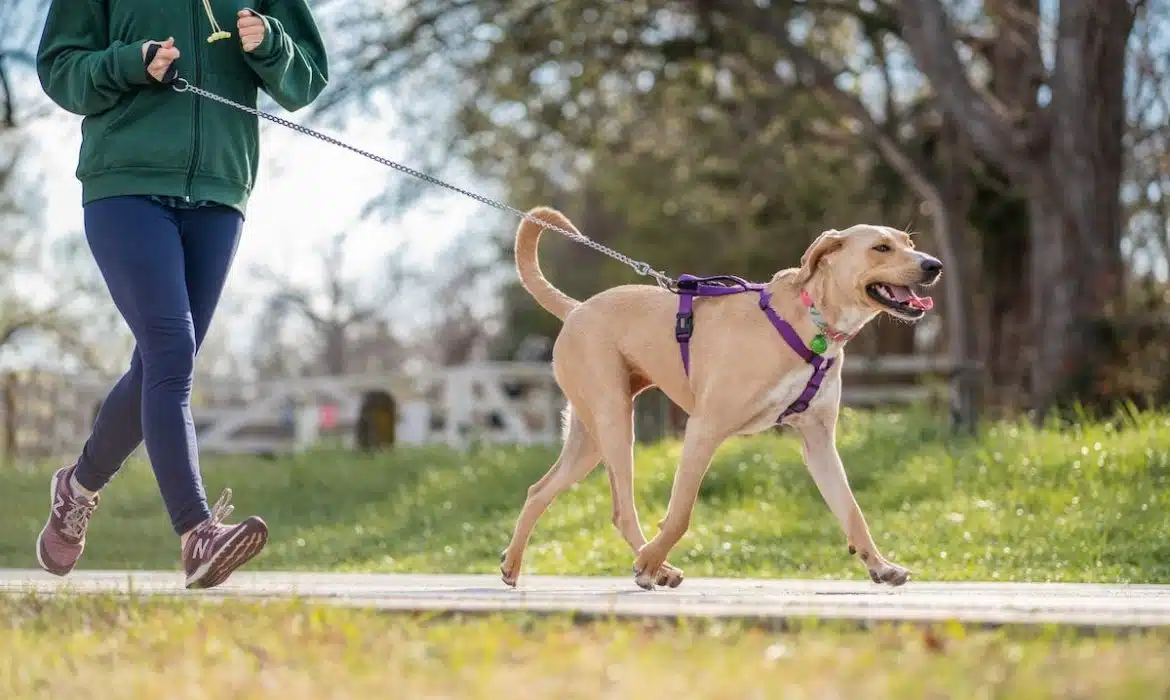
(907, 296)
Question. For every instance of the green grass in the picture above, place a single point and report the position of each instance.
(1087, 502)
(104, 648)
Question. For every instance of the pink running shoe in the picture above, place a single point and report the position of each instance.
(62, 540)
(214, 550)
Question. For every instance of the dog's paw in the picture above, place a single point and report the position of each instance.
(509, 570)
(666, 575)
(891, 574)
(669, 576)
(643, 578)
(647, 574)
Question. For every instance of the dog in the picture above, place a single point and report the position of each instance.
(740, 378)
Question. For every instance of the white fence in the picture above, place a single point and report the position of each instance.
(516, 403)
(513, 403)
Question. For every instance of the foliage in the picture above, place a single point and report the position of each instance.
(627, 118)
(723, 134)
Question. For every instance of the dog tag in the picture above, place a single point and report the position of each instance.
(818, 344)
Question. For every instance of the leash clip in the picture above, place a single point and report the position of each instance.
(180, 85)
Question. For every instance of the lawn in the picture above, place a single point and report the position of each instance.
(106, 649)
(1074, 503)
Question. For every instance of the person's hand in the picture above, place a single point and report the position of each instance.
(167, 54)
(251, 30)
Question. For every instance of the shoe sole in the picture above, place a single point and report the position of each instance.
(239, 550)
(58, 571)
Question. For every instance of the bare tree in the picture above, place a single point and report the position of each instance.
(462, 318)
(20, 26)
(335, 307)
(44, 285)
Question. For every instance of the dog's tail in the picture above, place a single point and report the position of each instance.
(552, 299)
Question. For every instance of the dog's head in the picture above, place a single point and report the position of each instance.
(875, 267)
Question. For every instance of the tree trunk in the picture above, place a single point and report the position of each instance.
(335, 350)
(950, 222)
(1005, 337)
(1066, 155)
(1075, 206)
(1000, 212)
(1054, 301)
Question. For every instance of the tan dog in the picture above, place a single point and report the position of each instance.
(742, 376)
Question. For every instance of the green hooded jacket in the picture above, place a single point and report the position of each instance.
(142, 138)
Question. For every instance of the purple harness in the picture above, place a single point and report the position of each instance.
(690, 287)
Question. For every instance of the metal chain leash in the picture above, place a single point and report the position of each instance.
(644, 269)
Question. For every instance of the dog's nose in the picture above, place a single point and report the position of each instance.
(932, 267)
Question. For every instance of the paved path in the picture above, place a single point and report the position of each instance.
(994, 603)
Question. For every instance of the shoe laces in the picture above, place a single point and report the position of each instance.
(222, 508)
(76, 518)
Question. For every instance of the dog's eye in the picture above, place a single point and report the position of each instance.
(883, 248)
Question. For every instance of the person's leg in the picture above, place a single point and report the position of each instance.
(167, 289)
(212, 551)
(117, 430)
(139, 250)
(210, 236)
(137, 247)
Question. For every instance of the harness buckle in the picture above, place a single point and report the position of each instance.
(684, 326)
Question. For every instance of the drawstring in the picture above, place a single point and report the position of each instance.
(217, 31)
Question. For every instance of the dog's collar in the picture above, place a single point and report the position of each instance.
(819, 344)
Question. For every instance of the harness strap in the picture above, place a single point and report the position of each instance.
(690, 287)
(684, 326)
(820, 363)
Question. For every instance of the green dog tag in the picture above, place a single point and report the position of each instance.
(819, 344)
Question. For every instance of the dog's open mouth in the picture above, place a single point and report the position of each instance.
(900, 299)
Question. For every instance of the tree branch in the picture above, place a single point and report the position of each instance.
(9, 101)
(931, 39)
(881, 18)
(879, 51)
(824, 79)
(300, 302)
(12, 330)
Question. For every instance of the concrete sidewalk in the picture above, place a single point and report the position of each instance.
(992, 603)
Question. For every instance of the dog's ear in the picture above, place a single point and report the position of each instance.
(825, 243)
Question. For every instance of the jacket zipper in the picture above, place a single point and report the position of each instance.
(194, 162)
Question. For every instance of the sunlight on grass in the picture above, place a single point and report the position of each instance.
(1072, 503)
(105, 648)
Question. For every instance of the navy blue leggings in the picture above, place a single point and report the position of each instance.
(165, 269)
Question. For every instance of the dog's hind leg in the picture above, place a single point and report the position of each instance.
(579, 456)
(615, 433)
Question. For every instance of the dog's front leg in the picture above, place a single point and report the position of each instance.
(699, 445)
(824, 463)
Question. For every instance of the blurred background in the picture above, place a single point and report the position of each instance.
(1026, 142)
